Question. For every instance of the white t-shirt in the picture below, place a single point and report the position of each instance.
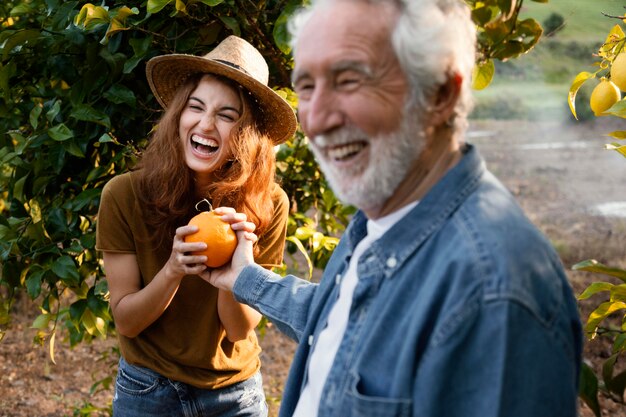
(328, 342)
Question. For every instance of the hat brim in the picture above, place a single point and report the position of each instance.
(167, 73)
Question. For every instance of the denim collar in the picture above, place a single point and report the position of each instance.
(398, 243)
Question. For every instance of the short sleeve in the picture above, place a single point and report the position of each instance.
(115, 214)
(272, 243)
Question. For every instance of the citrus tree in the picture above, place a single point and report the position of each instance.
(76, 110)
(606, 100)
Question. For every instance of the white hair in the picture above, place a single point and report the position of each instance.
(433, 40)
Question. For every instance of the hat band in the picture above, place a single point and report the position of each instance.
(233, 65)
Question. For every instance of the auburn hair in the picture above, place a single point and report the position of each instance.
(167, 189)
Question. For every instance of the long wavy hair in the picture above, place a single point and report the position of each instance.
(167, 189)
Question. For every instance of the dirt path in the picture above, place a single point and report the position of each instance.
(560, 175)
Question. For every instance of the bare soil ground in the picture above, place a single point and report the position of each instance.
(559, 174)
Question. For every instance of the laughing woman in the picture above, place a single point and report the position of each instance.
(188, 348)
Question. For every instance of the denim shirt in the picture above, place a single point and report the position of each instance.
(462, 309)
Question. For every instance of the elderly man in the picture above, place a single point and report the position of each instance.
(441, 299)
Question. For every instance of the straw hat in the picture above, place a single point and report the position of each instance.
(233, 58)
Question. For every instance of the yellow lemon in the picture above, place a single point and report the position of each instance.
(618, 71)
(603, 96)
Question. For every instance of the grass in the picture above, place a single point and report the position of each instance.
(535, 86)
(583, 18)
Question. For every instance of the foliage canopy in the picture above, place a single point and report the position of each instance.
(76, 110)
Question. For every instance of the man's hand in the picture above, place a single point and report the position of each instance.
(224, 278)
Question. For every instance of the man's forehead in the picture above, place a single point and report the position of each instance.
(344, 31)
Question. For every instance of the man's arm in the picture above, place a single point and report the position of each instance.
(285, 301)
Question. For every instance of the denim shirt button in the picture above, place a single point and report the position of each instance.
(310, 340)
(392, 262)
(338, 279)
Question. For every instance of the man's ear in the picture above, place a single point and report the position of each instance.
(444, 101)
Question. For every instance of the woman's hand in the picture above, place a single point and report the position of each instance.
(182, 262)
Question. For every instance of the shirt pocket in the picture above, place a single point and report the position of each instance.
(365, 405)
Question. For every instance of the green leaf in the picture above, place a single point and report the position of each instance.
(616, 147)
(41, 322)
(600, 313)
(304, 233)
(33, 283)
(87, 113)
(580, 79)
(483, 15)
(212, 2)
(304, 253)
(482, 75)
(618, 109)
(607, 369)
(65, 268)
(17, 39)
(77, 308)
(60, 133)
(618, 134)
(73, 148)
(105, 138)
(232, 24)
(91, 16)
(86, 197)
(591, 265)
(6, 72)
(119, 94)
(155, 6)
(22, 8)
(618, 384)
(317, 240)
(54, 111)
(18, 187)
(588, 389)
(595, 288)
(33, 117)
(618, 292)
(280, 32)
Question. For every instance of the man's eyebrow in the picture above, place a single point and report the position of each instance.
(297, 76)
(336, 68)
(357, 66)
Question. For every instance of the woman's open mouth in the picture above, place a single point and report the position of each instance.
(206, 146)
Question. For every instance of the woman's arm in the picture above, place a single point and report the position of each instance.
(238, 319)
(135, 308)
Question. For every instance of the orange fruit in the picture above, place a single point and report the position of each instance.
(220, 238)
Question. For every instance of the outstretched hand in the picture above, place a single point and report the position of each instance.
(225, 276)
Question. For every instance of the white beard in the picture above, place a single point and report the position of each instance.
(369, 185)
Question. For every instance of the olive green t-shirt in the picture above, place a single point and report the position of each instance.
(187, 342)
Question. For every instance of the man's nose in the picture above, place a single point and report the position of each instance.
(321, 113)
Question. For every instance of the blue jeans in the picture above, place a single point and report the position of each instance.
(143, 392)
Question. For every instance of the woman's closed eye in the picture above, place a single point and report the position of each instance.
(227, 117)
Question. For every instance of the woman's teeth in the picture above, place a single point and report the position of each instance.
(204, 144)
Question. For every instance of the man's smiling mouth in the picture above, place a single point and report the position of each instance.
(345, 151)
